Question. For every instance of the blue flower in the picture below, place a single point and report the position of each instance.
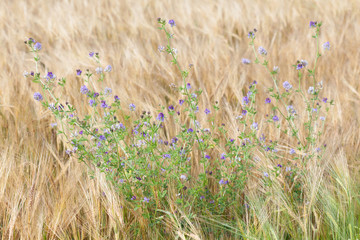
(38, 96)
(312, 24)
(37, 46)
(92, 102)
(84, 89)
(245, 61)
(108, 68)
(172, 22)
(287, 85)
(107, 91)
(160, 117)
(311, 90)
(326, 46)
(98, 70)
(262, 51)
(246, 100)
(291, 110)
(132, 107)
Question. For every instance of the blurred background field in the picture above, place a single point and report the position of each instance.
(45, 194)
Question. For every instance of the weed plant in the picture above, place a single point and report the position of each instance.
(202, 172)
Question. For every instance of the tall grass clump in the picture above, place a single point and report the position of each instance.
(177, 177)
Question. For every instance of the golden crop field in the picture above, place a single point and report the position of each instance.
(45, 194)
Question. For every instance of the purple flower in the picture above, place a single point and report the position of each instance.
(50, 75)
(171, 108)
(276, 118)
(304, 62)
(116, 98)
(279, 165)
(108, 68)
(37, 46)
(244, 112)
(246, 100)
(311, 90)
(207, 156)
(132, 107)
(98, 70)
(207, 111)
(161, 48)
(251, 35)
(92, 102)
(254, 126)
(78, 72)
(84, 89)
(166, 156)
(102, 137)
(223, 156)
(146, 199)
(266, 174)
(188, 86)
(183, 177)
(96, 95)
(326, 46)
(299, 66)
(181, 102)
(291, 110)
(245, 61)
(103, 104)
(292, 151)
(267, 100)
(190, 130)
(276, 69)
(31, 40)
(287, 85)
(133, 197)
(160, 117)
(222, 182)
(202, 197)
(91, 54)
(38, 96)
(107, 91)
(81, 132)
(312, 24)
(172, 22)
(314, 110)
(262, 51)
(324, 100)
(322, 118)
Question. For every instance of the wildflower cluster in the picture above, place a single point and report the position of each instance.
(145, 163)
